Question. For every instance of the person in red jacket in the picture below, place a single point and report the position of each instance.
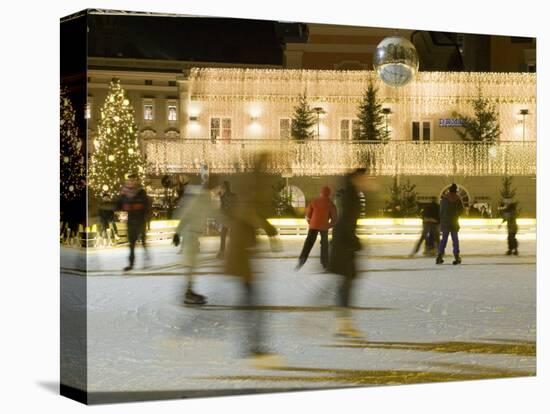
(321, 216)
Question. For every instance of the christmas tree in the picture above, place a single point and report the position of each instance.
(371, 117)
(116, 151)
(302, 121)
(72, 165)
(506, 191)
(483, 126)
(403, 200)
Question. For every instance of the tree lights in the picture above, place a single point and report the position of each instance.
(116, 152)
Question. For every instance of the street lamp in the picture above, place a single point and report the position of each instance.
(386, 112)
(318, 110)
(524, 112)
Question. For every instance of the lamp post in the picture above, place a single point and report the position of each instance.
(318, 110)
(524, 112)
(386, 112)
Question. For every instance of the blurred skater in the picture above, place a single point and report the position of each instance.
(345, 244)
(133, 200)
(509, 216)
(450, 210)
(247, 216)
(228, 201)
(430, 229)
(320, 216)
(192, 212)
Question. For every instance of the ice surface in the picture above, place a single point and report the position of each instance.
(421, 322)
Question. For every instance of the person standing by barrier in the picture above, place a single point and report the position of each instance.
(509, 216)
(133, 200)
(450, 210)
(320, 216)
(107, 217)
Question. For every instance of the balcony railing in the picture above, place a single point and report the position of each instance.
(330, 157)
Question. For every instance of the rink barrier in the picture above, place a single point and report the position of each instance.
(163, 230)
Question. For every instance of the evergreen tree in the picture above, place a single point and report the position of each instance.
(303, 120)
(116, 152)
(403, 200)
(72, 165)
(371, 118)
(484, 126)
(506, 191)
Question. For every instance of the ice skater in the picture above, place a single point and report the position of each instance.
(320, 216)
(430, 229)
(228, 201)
(509, 216)
(133, 200)
(192, 212)
(344, 246)
(450, 210)
(248, 216)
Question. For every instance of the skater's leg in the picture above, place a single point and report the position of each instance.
(324, 248)
(443, 242)
(223, 237)
(308, 244)
(456, 246)
(132, 239)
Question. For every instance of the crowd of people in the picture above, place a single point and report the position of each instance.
(241, 216)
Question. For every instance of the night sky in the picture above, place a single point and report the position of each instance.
(185, 38)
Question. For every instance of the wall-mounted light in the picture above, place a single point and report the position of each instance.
(254, 118)
(387, 112)
(318, 110)
(523, 113)
(193, 118)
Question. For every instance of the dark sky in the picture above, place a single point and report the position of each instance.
(185, 38)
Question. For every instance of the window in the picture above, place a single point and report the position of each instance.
(172, 113)
(148, 82)
(421, 130)
(349, 129)
(285, 128)
(220, 128)
(148, 112)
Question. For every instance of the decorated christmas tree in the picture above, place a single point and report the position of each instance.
(72, 165)
(303, 120)
(116, 151)
(403, 200)
(371, 117)
(483, 126)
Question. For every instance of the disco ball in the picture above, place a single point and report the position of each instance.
(396, 61)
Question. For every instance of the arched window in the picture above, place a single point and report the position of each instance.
(294, 196)
(462, 193)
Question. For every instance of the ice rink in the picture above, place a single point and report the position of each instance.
(420, 322)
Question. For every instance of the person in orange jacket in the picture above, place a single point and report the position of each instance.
(321, 216)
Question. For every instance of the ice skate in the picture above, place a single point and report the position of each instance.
(299, 265)
(439, 259)
(509, 252)
(457, 260)
(347, 330)
(265, 360)
(192, 298)
(515, 252)
(128, 268)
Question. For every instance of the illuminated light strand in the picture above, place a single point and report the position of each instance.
(333, 157)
